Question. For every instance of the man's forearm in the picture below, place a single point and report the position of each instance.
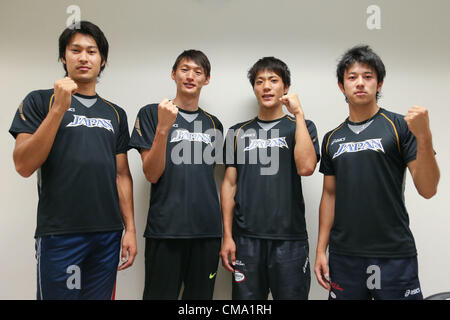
(227, 216)
(426, 174)
(31, 151)
(326, 220)
(154, 161)
(304, 152)
(227, 202)
(125, 191)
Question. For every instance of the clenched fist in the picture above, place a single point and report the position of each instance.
(167, 114)
(292, 103)
(418, 122)
(63, 90)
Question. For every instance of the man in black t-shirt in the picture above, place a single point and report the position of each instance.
(178, 141)
(78, 143)
(363, 217)
(265, 240)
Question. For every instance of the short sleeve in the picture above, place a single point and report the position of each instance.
(218, 143)
(229, 150)
(314, 137)
(123, 137)
(326, 165)
(408, 142)
(29, 115)
(144, 129)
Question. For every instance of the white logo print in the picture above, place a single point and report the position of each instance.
(248, 135)
(238, 276)
(264, 144)
(191, 136)
(239, 263)
(412, 292)
(337, 140)
(371, 144)
(305, 265)
(91, 123)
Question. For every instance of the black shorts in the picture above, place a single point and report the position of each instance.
(171, 262)
(281, 266)
(358, 278)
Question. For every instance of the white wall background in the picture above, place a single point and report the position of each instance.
(145, 38)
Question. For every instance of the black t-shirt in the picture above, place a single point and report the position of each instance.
(268, 201)
(77, 182)
(370, 214)
(184, 202)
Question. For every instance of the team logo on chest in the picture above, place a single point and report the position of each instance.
(269, 143)
(91, 123)
(370, 144)
(191, 136)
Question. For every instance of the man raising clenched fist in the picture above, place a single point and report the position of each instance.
(419, 124)
(167, 114)
(78, 141)
(63, 90)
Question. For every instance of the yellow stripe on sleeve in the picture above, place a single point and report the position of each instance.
(329, 137)
(395, 130)
(237, 134)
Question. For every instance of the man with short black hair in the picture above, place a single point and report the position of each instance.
(265, 241)
(177, 141)
(78, 143)
(363, 217)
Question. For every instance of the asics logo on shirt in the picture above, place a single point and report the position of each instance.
(337, 140)
(91, 123)
(248, 135)
(371, 144)
(191, 136)
(264, 144)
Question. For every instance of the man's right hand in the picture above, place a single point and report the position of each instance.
(321, 270)
(228, 254)
(167, 114)
(63, 90)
